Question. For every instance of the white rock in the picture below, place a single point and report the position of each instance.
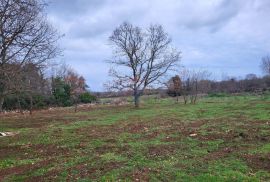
(3, 134)
(193, 134)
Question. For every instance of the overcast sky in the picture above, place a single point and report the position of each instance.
(226, 37)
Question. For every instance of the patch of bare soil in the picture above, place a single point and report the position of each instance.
(49, 150)
(214, 135)
(98, 131)
(141, 174)
(107, 148)
(49, 176)
(12, 151)
(30, 150)
(196, 124)
(101, 131)
(22, 169)
(221, 153)
(161, 150)
(151, 135)
(43, 118)
(249, 132)
(258, 161)
(136, 128)
(83, 170)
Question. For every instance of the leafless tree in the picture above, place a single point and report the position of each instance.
(265, 65)
(193, 82)
(186, 84)
(145, 55)
(25, 37)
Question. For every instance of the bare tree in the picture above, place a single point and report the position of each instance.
(265, 65)
(186, 84)
(25, 37)
(197, 86)
(193, 82)
(145, 55)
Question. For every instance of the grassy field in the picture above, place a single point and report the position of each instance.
(218, 139)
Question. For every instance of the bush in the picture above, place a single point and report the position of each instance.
(61, 93)
(11, 102)
(87, 98)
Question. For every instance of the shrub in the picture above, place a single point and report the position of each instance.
(12, 102)
(87, 98)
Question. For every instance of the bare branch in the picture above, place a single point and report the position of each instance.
(147, 55)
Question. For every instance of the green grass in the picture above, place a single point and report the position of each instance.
(152, 143)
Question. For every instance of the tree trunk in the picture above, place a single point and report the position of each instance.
(137, 100)
(185, 98)
(195, 94)
(195, 99)
(31, 104)
(19, 105)
(75, 102)
(75, 107)
(1, 103)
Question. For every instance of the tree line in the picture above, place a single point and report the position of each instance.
(31, 89)
(190, 83)
(189, 86)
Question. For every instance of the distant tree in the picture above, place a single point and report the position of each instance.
(251, 83)
(251, 76)
(175, 87)
(69, 84)
(77, 86)
(25, 37)
(265, 65)
(145, 55)
(61, 92)
(193, 82)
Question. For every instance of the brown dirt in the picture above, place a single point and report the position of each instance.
(22, 169)
(141, 174)
(258, 161)
(221, 153)
(85, 171)
(28, 151)
(161, 150)
(8, 151)
(43, 118)
(49, 150)
(136, 128)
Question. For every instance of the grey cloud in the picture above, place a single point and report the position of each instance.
(215, 17)
(104, 20)
(226, 35)
(71, 9)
